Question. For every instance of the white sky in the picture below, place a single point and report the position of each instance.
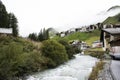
(33, 15)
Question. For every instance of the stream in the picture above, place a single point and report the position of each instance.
(78, 68)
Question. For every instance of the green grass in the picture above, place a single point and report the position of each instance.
(113, 20)
(95, 71)
(92, 39)
(89, 37)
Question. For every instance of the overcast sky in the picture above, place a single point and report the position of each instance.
(33, 15)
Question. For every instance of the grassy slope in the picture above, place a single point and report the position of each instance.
(113, 20)
(88, 37)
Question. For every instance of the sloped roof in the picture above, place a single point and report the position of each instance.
(6, 30)
(113, 31)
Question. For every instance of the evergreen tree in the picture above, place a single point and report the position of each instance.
(13, 24)
(45, 34)
(33, 36)
(8, 20)
(3, 16)
(40, 36)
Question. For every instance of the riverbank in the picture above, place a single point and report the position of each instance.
(78, 68)
(105, 74)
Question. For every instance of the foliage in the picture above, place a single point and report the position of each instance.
(69, 49)
(95, 71)
(33, 36)
(18, 57)
(13, 24)
(43, 35)
(3, 16)
(55, 52)
(9, 60)
(8, 20)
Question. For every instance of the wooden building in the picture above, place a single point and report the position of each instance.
(110, 37)
(6, 31)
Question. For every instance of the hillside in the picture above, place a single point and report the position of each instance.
(113, 8)
(113, 20)
(89, 37)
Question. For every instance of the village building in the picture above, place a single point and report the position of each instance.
(83, 29)
(107, 26)
(6, 31)
(111, 40)
(62, 34)
(72, 30)
(116, 26)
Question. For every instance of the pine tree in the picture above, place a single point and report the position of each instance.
(40, 36)
(13, 24)
(3, 16)
(33, 36)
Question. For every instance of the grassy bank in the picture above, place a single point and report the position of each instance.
(20, 56)
(95, 52)
(95, 71)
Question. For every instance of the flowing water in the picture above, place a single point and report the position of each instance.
(75, 69)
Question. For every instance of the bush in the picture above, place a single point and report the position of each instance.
(9, 60)
(69, 49)
(55, 52)
(19, 57)
(30, 62)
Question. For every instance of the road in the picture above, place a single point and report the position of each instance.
(115, 69)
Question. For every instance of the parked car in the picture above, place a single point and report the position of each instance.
(115, 52)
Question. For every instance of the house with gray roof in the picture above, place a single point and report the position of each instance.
(110, 34)
(111, 41)
(6, 31)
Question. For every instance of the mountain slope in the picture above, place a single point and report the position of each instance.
(82, 36)
(113, 8)
(113, 20)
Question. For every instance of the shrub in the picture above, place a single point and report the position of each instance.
(69, 49)
(30, 62)
(9, 60)
(19, 57)
(55, 52)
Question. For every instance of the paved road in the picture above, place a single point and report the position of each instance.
(115, 69)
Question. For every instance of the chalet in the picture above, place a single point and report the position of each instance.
(111, 41)
(116, 26)
(107, 26)
(62, 34)
(92, 27)
(78, 29)
(5, 31)
(72, 30)
(83, 29)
